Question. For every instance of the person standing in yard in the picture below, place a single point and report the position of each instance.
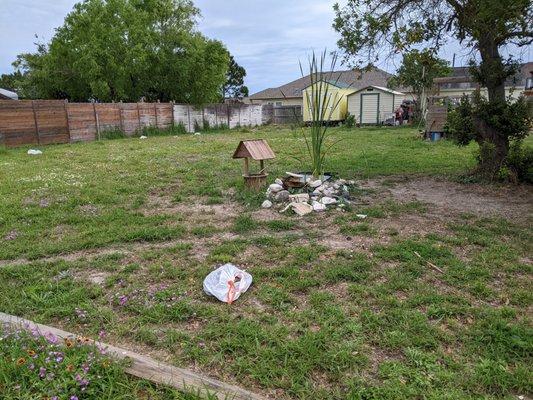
(399, 115)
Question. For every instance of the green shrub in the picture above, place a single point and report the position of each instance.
(111, 134)
(520, 162)
(349, 122)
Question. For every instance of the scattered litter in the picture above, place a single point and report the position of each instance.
(197, 133)
(278, 181)
(429, 263)
(227, 282)
(33, 152)
(361, 216)
(295, 175)
(143, 137)
(266, 204)
(302, 208)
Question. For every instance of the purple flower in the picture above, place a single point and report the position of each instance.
(122, 300)
(74, 398)
(51, 337)
(42, 372)
(101, 334)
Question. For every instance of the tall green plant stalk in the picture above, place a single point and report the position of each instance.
(322, 103)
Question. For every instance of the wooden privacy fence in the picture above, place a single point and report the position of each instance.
(56, 121)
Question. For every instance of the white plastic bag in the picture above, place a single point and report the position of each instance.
(33, 152)
(227, 283)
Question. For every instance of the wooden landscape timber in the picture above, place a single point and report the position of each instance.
(147, 368)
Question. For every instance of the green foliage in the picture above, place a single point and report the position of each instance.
(460, 123)
(125, 50)
(234, 87)
(520, 161)
(110, 134)
(488, 123)
(417, 71)
(349, 122)
(33, 366)
(322, 106)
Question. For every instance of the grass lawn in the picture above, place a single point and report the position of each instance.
(428, 297)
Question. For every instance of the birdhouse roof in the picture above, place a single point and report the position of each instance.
(257, 149)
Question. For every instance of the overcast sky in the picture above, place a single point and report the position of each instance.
(267, 37)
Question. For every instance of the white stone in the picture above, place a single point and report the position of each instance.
(274, 188)
(328, 200)
(301, 208)
(143, 137)
(33, 152)
(336, 186)
(321, 188)
(318, 206)
(279, 182)
(316, 192)
(299, 198)
(341, 181)
(315, 184)
(266, 204)
(282, 196)
(197, 133)
(361, 216)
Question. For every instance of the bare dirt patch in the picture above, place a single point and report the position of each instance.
(512, 202)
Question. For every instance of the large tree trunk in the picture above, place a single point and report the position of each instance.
(494, 145)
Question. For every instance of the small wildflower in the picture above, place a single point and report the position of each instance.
(122, 300)
(70, 368)
(69, 343)
(42, 372)
(73, 397)
(31, 353)
(21, 361)
(101, 334)
(51, 337)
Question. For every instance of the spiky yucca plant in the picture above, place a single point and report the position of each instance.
(322, 103)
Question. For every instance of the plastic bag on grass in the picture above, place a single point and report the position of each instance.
(227, 283)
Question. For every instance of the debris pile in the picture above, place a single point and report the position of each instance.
(305, 195)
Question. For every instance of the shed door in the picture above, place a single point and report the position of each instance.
(369, 108)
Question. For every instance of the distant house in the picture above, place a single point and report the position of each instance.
(336, 103)
(291, 93)
(8, 95)
(514, 86)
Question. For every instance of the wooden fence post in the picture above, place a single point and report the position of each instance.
(172, 113)
(96, 122)
(189, 117)
(120, 117)
(36, 124)
(66, 116)
(139, 116)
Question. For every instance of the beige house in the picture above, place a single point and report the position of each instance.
(514, 86)
(291, 93)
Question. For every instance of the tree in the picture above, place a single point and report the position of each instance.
(417, 71)
(234, 87)
(126, 50)
(373, 29)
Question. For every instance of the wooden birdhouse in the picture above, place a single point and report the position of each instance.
(258, 150)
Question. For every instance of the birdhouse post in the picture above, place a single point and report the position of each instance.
(258, 150)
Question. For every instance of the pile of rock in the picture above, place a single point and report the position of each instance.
(314, 195)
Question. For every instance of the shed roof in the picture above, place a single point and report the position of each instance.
(384, 89)
(8, 94)
(353, 79)
(257, 149)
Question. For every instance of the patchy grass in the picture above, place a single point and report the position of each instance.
(119, 235)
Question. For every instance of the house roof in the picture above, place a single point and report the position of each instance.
(518, 80)
(384, 89)
(349, 78)
(257, 149)
(8, 94)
